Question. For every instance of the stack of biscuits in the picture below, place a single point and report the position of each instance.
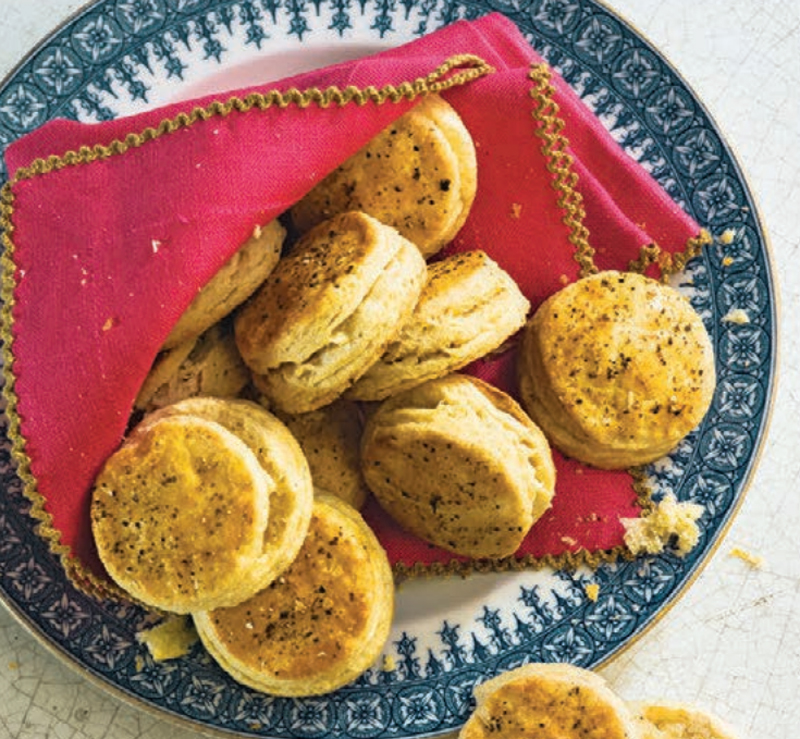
(305, 376)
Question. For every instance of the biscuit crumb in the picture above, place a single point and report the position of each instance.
(736, 315)
(155, 244)
(388, 663)
(754, 560)
(668, 522)
(727, 261)
(13, 665)
(592, 591)
(516, 210)
(172, 638)
(257, 232)
(564, 280)
(727, 236)
(109, 324)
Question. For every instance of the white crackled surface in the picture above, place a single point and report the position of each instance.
(732, 643)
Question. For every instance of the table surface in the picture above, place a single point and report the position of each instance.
(732, 643)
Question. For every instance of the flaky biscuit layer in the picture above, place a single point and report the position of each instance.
(458, 463)
(468, 308)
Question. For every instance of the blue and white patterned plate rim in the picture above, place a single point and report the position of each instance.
(117, 56)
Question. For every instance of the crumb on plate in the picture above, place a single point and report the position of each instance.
(172, 638)
(736, 315)
(669, 522)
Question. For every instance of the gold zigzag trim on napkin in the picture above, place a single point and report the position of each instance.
(669, 263)
(458, 70)
(559, 164)
(464, 68)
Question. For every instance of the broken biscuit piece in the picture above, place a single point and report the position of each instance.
(669, 523)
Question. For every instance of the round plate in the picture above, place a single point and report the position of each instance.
(120, 56)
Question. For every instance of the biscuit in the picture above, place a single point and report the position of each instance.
(331, 438)
(320, 625)
(616, 369)
(457, 462)
(328, 310)
(468, 308)
(282, 458)
(164, 369)
(548, 701)
(678, 721)
(208, 365)
(235, 281)
(179, 513)
(418, 175)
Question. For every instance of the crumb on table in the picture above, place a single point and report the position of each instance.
(754, 560)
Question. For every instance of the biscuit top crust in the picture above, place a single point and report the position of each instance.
(628, 358)
(181, 505)
(461, 294)
(548, 706)
(315, 618)
(313, 290)
(418, 175)
(278, 452)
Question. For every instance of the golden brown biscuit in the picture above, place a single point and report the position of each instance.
(282, 458)
(418, 175)
(211, 366)
(331, 439)
(179, 513)
(328, 310)
(235, 281)
(548, 701)
(457, 462)
(468, 308)
(616, 369)
(320, 625)
(678, 721)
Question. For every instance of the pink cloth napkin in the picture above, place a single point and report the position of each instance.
(108, 253)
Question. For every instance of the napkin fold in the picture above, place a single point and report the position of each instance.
(110, 229)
